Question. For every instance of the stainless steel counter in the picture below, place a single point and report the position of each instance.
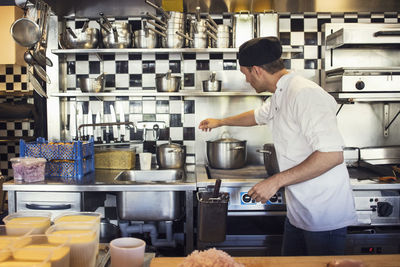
(102, 180)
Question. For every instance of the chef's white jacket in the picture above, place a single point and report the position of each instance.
(303, 118)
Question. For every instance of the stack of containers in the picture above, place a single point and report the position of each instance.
(32, 222)
(223, 36)
(174, 23)
(64, 159)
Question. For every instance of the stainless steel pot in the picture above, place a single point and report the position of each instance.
(92, 85)
(212, 85)
(145, 39)
(171, 156)
(168, 83)
(227, 153)
(119, 36)
(270, 159)
(73, 39)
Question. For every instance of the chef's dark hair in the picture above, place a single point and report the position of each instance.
(274, 66)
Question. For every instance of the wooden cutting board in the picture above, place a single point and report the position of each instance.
(392, 260)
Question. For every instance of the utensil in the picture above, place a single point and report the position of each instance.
(216, 188)
(167, 82)
(171, 155)
(226, 153)
(36, 85)
(270, 159)
(212, 85)
(25, 31)
(79, 39)
(114, 119)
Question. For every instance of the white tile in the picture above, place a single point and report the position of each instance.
(123, 57)
(297, 38)
(190, 146)
(93, 57)
(82, 67)
(390, 20)
(229, 56)
(176, 133)
(149, 107)
(135, 67)
(203, 56)
(189, 120)
(189, 66)
(297, 64)
(190, 168)
(9, 78)
(190, 159)
(216, 65)
(337, 20)
(310, 51)
(175, 106)
(122, 80)
(164, 118)
(2, 69)
(148, 80)
(284, 25)
(148, 56)
(310, 24)
(162, 66)
(109, 67)
(175, 56)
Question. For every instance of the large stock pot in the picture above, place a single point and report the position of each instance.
(226, 153)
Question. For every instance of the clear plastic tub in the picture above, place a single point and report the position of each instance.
(6, 242)
(39, 249)
(82, 238)
(33, 222)
(28, 170)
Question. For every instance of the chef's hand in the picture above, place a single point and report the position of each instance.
(265, 189)
(208, 124)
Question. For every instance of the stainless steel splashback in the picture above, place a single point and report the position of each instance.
(87, 8)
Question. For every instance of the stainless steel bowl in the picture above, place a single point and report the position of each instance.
(92, 85)
(87, 39)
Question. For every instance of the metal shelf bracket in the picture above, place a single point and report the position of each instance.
(387, 121)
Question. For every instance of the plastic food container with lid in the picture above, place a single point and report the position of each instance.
(28, 169)
(33, 222)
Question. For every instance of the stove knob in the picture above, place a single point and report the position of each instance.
(360, 85)
(384, 209)
(246, 198)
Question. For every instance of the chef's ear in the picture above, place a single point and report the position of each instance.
(257, 70)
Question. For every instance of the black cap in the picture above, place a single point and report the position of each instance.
(259, 51)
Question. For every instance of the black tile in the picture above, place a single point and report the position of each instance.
(10, 149)
(110, 80)
(26, 132)
(161, 56)
(180, 142)
(229, 64)
(79, 24)
(322, 21)
(319, 51)
(189, 106)
(9, 86)
(202, 64)
(106, 106)
(297, 55)
(135, 56)
(377, 20)
(149, 117)
(121, 66)
(175, 120)
(110, 213)
(135, 24)
(162, 106)
(24, 86)
(17, 78)
(94, 67)
(310, 64)
(188, 133)
(135, 136)
(174, 98)
(311, 38)
(122, 98)
(135, 80)
(164, 134)
(175, 66)
(135, 106)
(390, 15)
(23, 70)
(78, 77)
(85, 107)
(188, 79)
(189, 55)
(71, 67)
(82, 57)
(285, 38)
(284, 16)
(2, 78)
(3, 157)
(337, 15)
(287, 64)
(310, 16)
(297, 25)
(9, 70)
(219, 21)
(149, 66)
(18, 126)
(365, 15)
(149, 146)
(108, 57)
(216, 55)
(351, 20)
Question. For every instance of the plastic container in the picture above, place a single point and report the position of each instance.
(65, 159)
(8, 241)
(28, 169)
(212, 213)
(83, 242)
(32, 222)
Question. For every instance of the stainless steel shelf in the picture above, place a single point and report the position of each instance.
(368, 97)
(155, 93)
(285, 49)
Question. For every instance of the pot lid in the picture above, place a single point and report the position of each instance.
(227, 140)
(170, 145)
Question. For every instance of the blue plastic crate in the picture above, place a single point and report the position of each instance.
(64, 159)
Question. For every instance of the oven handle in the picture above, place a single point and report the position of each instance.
(386, 33)
(48, 207)
(256, 213)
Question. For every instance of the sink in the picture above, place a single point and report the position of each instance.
(150, 176)
(149, 205)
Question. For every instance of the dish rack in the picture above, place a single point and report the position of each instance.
(71, 159)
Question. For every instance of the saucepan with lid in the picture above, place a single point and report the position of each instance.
(212, 85)
(227, 152)
(168, 82)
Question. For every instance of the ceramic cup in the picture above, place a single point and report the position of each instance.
(127, 252)
(145, 161)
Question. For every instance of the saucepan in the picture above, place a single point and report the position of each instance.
(80, 38)
(167, 82)
(117, 34)
(227, 152)
(92, 85)
(212, 85)
(270, 159)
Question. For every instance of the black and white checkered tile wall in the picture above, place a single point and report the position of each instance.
(13, 78)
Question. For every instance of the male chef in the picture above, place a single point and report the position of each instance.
(309, 150)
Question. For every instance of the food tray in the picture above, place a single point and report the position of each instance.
(59, 150)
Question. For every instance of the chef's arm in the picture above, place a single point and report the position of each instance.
(315, 165)
(243, 119)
